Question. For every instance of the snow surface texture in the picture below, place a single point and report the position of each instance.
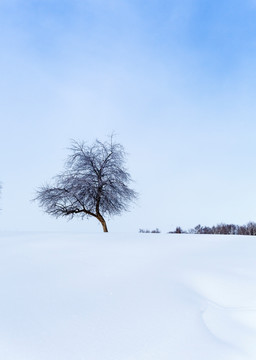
(127, 297)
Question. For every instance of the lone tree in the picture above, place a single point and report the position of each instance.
(94, 183)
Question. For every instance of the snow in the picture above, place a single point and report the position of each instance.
(127, 297)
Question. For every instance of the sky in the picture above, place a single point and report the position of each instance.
(175, 81)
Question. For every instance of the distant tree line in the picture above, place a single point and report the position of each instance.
(155, 231)
(223, 229)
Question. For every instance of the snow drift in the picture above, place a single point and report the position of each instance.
(127, 297)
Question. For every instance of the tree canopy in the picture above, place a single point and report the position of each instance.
(94, 183)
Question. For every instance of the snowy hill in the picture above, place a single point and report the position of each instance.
(127, 297)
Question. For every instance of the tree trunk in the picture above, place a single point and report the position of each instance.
(103, 223)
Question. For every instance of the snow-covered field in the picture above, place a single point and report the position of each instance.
(127, 297)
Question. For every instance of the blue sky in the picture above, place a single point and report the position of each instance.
(174, 80)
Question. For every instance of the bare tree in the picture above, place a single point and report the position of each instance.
(94, 183)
